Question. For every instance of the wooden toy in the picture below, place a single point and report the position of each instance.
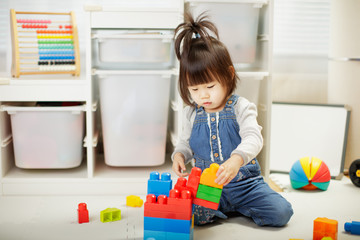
(44, 43)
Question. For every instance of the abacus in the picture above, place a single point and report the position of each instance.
(41, 46)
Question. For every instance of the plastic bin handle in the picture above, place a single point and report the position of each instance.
(6, 141)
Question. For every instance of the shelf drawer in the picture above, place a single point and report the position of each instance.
(133, 50)
(237, 24)
(134, 113)
(47, 137)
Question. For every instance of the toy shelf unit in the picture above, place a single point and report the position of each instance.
(133, 61)
(44, 43)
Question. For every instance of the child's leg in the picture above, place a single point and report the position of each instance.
(254, 198)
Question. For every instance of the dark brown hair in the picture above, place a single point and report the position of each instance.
(203, 58)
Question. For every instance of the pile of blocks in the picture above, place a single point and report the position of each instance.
(168, 212)
(169, 217)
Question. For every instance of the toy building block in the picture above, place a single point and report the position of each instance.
(353, 227)
(160, 235)
(327, 238)
(324, 227)
(110, 215)
(167, 225)
(151, 235)
(209, 193)
(191, 184)
(83, 213)
(168, 229)
(176, 206)
(159, 186)
(209, 175)
(134, 201)
(205, 203)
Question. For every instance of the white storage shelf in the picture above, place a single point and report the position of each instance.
(93, 176)
(33, 89)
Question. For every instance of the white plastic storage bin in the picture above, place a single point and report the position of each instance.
(133, 50)
(250, 87)
(47, 137)
(134, 112)
(237, 23)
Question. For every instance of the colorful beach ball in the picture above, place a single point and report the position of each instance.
(310, 174)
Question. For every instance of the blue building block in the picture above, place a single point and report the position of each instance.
(159, 186)
(167, 225)
(154, 235)
(352, 227)
(180, 236)
(159, 235)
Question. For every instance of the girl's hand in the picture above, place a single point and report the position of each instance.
(228, 170)
(179, 165)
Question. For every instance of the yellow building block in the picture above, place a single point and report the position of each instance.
(209, 175)
(110, 215)
(134, 201)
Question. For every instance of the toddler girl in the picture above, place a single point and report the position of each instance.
(221, 127)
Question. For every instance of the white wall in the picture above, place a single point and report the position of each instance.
(301, 40)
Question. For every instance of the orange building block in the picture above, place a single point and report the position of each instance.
(324, 227)
(209, 175)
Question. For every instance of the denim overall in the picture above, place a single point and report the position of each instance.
(213, 138)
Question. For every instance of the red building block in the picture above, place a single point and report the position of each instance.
(83, 213)
(324, 227)
(176, 206)
(192, 184)
(205, 203)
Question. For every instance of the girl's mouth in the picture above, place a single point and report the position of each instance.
(206, 103)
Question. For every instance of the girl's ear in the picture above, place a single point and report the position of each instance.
(232, 71)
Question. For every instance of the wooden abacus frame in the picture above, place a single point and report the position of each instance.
(16, 68)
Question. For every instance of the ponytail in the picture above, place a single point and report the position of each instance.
(193, 30)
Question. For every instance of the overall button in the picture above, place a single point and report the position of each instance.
(216, 155)
(253, 162)
(213, 137)
(212, 119)
(230, 102)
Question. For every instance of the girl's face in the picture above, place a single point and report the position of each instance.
(212, 96)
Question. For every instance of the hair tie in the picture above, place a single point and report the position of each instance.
(197, 35)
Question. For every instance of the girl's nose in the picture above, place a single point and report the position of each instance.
(204, 94)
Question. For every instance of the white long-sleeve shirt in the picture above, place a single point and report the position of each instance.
(250, 131)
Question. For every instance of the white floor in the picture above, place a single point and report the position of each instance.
(55, 217)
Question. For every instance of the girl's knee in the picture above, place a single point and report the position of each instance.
(281, 216)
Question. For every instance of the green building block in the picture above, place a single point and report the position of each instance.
(110, 215)
(209, 193)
